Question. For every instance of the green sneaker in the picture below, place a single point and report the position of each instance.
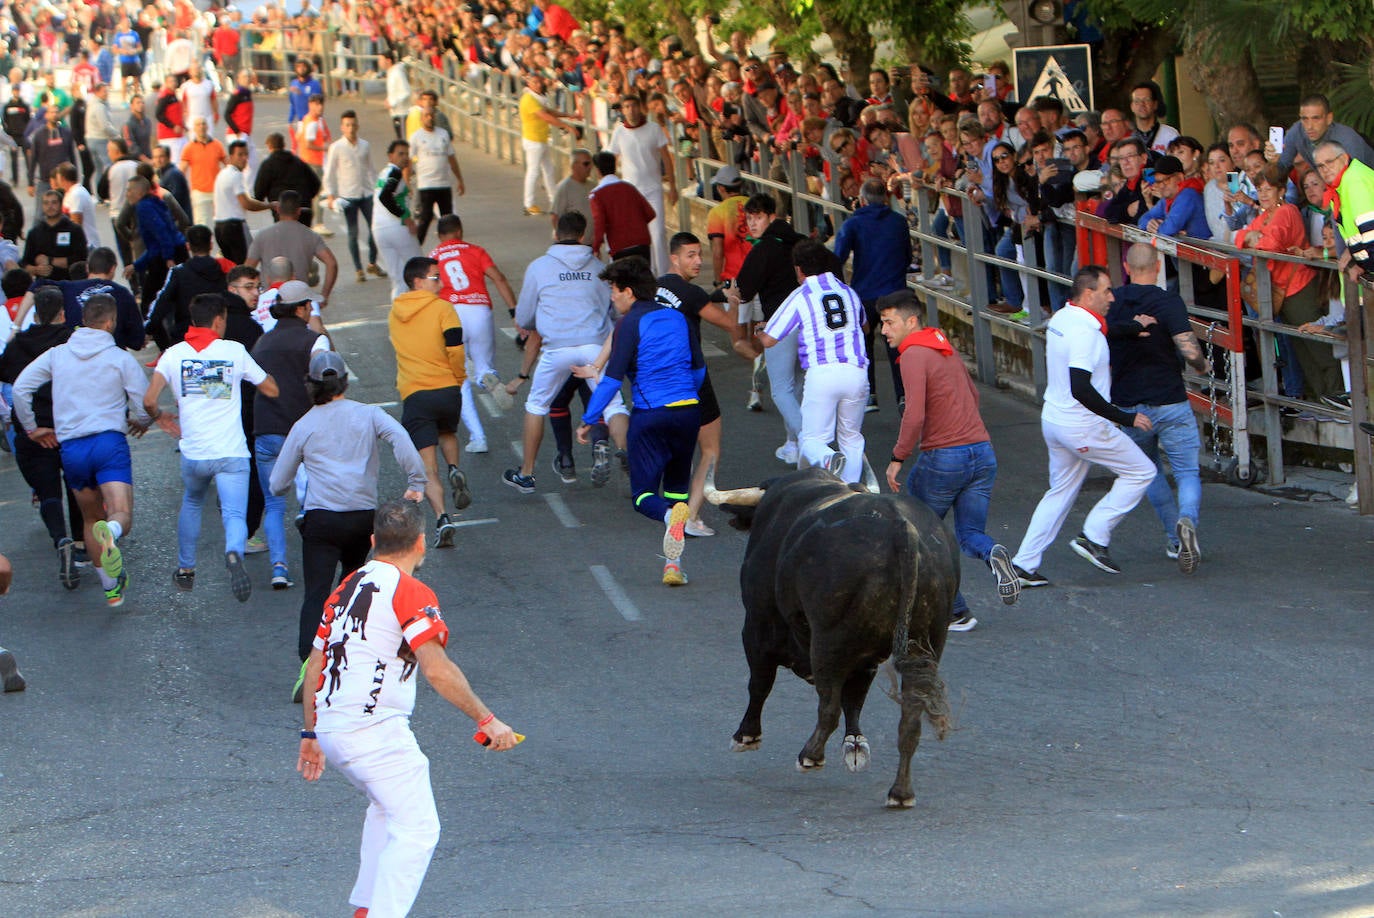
(114, 596)
(111, 560)
(299, 690)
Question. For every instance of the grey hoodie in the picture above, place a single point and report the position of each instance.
(94, 382)
(563, 299)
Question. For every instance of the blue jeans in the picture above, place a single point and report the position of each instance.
(7, 393)
(266, 449)
(1175, 434)
(959, 477)
(1011, 281)
(1060, 247)
(784, 371)
(231, 482)
(940, 227)
(352, 208)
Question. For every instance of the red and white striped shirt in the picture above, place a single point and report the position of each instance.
(369, 631)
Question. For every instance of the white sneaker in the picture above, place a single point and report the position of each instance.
(788, 452)
(698, 529)
(476, 446)
(943, 281)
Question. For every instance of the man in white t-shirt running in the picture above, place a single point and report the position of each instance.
(431, 151)
(1080, 429)
(204, 373)
(646, 162)
(77, 202)
(378, 628)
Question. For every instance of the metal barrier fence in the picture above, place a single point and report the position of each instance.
(483, 107)
(342, 62)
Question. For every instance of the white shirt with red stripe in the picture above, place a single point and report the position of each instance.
(369, 631)
(463, 267)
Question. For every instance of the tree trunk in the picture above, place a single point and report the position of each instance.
(1229, 84)
(1124, 58)
(855, 46)
(686, 29)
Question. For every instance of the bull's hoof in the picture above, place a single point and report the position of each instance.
(809, 764)
(745, 743)
(900, 801)
(856, 752)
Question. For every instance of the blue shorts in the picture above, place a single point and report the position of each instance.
(88, 462)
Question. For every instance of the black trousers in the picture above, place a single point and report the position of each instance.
(42, 471)
(429, 198)
(330, 541)
(232, 238)
(874, 323)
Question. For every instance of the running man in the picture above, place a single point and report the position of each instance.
(653, 348)
(378, 628)
(97, 389)
(828, 319)
(677, 290)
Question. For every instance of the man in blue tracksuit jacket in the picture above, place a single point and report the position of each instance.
(653, 348)
(880, 240)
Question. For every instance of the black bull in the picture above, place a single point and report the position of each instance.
(836, 580)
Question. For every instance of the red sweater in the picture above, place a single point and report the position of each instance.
(620, 216)
(941, 403)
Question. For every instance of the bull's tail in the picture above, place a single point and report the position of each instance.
(914, 668)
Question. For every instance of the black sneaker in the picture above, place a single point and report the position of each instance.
(601, 463)
(565, 469)
(11, 680)
(185, 580)
(444, 531)
(872, 405)
(1029, 580)
(66, 564)
(965, 622)
(1367, 427)
(1188, 552)
(1008, 584)
(522, 483)
(240, 584)
(1095, 554)
(458, 482)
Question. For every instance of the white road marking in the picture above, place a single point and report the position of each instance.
(710, 350)
(560, 510)
(615, 593)
(461, 523)
(518, 447)
(508, 331)
(357, 323)
(384, 404)
(489, 403)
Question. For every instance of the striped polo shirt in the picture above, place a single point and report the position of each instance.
(828, 319)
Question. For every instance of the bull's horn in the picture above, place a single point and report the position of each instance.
(739, 497)
(871, 480)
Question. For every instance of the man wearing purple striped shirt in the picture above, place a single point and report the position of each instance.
(828, 319)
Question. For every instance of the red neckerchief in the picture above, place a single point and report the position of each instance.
(1332, 199)
(932, 338)
(276, 285)
(12, 306)
(1101, 320)
(200, 338)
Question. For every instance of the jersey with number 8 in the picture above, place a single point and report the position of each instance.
(463, 268)
(828, 318)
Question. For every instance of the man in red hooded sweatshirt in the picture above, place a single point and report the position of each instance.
(956, 466)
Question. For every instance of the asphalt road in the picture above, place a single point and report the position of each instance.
(1135, 745)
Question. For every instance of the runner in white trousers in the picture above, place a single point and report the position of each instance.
(828, 319)
(393, 226)
(1079, 426)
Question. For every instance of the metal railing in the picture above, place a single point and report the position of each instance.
(483, 107)
(341, 62)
